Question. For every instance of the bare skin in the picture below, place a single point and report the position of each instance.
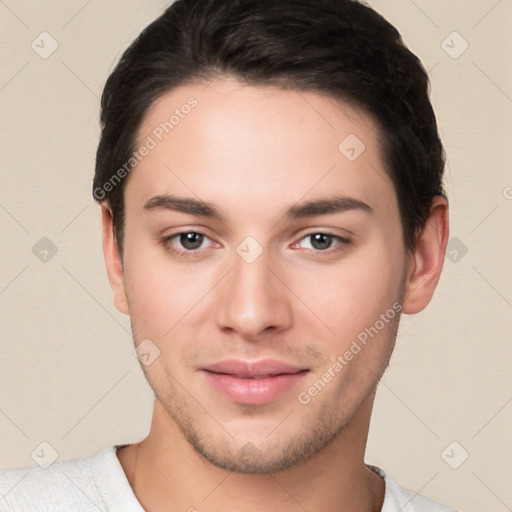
(252, 153)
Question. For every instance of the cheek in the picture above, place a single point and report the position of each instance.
(345, 298)
(159, 293)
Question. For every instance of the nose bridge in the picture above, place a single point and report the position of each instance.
(252, 299)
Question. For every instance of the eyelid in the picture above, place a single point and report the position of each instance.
(166, 242)
(182, 230)
(343, 241)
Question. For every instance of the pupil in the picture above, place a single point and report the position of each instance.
(321, 241)
(191, 241)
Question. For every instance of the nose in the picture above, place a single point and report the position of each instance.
(252, 300)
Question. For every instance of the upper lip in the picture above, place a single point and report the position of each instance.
(249, 369)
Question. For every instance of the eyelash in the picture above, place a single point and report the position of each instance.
(342, 243)
(182, 252)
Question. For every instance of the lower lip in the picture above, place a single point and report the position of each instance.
(253, 391)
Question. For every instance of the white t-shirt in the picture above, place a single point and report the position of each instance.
(98, 483)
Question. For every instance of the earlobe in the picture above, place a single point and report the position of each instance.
(427, 258)
(113, 261)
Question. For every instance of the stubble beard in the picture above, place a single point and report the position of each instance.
(321, 428)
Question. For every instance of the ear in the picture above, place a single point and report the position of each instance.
(113, 261)
(425, 262)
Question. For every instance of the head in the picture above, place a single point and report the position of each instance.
(270, 176)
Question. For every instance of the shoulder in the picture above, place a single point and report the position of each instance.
(397, 498)
(68, 485)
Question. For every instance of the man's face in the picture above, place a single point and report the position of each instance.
(253, 308)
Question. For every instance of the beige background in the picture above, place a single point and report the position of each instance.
(68, 376)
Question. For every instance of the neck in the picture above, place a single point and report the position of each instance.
(164, 471)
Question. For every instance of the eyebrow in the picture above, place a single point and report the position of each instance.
(327, 206)
(182, 204)
(337, 204)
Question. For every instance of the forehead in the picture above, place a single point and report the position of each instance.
(264, 146)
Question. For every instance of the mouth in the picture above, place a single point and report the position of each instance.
(253, 383)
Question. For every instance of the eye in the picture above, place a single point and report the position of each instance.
(322, 241)
(191, 241)
(186, 242)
